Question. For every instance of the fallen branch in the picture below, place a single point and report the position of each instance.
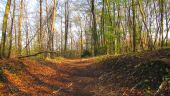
(42, 52)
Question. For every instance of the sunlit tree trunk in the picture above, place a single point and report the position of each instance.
(11, 30)
(20, 29)
(149, 39)
(52, 27)
(4, 28)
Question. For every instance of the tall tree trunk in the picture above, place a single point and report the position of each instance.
(103, 23)
(52, 27)
(61, 35)
(129, 28)
(94, 29)
(66, 24)
(10, 34)
(134, 26)
(41, 28)
(4, 28)
(20, 29)
(47, 20)
(27, 36)
(81, 36)
(157, 25)
(161, 5)
(167, 28)
(15, 31)
(150, 41)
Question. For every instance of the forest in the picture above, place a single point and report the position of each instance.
(84, 47)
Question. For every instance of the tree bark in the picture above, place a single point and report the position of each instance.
(94, 29)
(134, 26)
(41, 28)
(11, 30)
(4, 28)
(66, 24)
(20, 29)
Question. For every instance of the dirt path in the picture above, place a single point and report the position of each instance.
(66, 78)
(78, 76)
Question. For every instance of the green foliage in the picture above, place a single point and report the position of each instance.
(86, 53)
(102, 50)
(109, 35)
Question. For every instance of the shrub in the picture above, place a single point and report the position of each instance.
(86, 53)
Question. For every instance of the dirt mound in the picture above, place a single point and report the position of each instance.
(141, 71)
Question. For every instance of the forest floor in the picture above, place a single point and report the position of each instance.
(127, 75)
(44, 78)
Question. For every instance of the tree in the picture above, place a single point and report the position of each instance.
(167, 25)
(52, 27)
(106, 27)
(4, 28)
(20, 29)
(66, 24)
(161, 7)
(41, 28)
(11, 29)
(94, 30)
(27, 31)
(61, 45)
(134, 25)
